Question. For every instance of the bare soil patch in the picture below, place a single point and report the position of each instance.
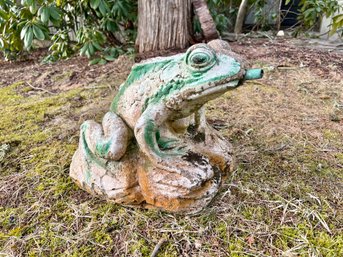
(63, 75)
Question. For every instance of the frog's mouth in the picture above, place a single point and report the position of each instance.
(212, 89)
(209, 91)
(191, 99)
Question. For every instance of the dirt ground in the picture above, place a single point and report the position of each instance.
(284, 197)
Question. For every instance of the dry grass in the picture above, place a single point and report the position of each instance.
(284, 197)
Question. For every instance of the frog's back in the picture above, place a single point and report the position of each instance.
(143, 82)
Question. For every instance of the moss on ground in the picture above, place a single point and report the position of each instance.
(283, 198)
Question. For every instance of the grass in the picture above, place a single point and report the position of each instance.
(284, 197)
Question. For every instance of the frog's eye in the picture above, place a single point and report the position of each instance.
(200, 57)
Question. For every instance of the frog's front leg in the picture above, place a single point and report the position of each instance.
(211, 143)
(108, 141)
(175, 160)
(182, 180)
(200, 122)
(198, 126)
(147, 130)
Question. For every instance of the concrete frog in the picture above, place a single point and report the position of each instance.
(154, 147)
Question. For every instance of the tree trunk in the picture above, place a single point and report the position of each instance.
(163, 25)
(278, 21)
(241, 16)
(206, 21)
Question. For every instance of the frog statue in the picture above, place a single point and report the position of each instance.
(154, 147)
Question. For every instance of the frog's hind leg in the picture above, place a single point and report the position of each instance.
(108, 141)
(96, 166)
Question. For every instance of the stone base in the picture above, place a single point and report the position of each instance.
(115, 181)
(182, 184)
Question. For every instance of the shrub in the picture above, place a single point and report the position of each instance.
(87, 26)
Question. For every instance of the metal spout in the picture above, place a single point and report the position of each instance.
(253, 74)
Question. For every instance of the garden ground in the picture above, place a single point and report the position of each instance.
(284, 196)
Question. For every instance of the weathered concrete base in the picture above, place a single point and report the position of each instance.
(115, 181)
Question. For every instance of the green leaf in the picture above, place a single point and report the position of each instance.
(54, 13)
(29, 2)
(109, 58)
(94, 61)
(40, 10)
(33, 9)
(111, 26)
(45, 15)
(97, 46)
(28, 38)
(91, 49)
(338, 18)
(83, 49)
(337, 22)
(102, 61)
(87, 53)
(103, 7)
(38, 33)
(23, 32)
(308, 12)
(287, 2)
(94, 3)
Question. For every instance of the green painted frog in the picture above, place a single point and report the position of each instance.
(154, 146)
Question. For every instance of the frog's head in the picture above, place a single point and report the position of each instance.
(204, 74)
(187, 81)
